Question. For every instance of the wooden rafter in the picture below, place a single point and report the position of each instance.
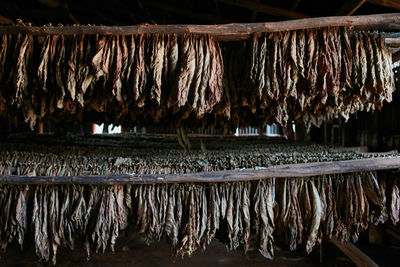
(266, 9)
(349, 7)
(231, 32)
(386, 3)
(280, 171)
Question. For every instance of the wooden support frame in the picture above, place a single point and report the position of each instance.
(223, 32)
(356, 255)
(278, 171)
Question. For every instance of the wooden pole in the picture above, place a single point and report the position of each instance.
(349, 7)
(223, 32)
(279, 171)
(356, 255)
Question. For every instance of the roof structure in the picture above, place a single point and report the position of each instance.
(125, 12)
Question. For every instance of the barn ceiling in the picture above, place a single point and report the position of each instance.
(125, 12)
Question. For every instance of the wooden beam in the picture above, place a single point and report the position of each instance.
(349, 7)
(266, 9)
(386, 3)
(279, 171)
(231, 32)
(356, 255)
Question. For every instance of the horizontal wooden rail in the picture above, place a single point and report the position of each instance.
(278, 171)
(228, 32)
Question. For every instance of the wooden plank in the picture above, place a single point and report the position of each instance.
(233, 31)
(349, 7)
(266, 9)
(278, 171)
(356, 255)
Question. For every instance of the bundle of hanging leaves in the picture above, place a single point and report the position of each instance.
(166, 79)
(308, 75)
(291, 213)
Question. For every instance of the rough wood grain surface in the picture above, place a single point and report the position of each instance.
(279, 171)
(228, 32)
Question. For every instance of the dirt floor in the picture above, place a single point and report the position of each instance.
(134, 252)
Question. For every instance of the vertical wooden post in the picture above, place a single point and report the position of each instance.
(105, 128)
(40, 128)
(373, 132)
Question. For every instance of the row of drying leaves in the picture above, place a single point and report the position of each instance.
(188, 215)
(305, 75)
(311, 75)
(287, 212)
(80, 160)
